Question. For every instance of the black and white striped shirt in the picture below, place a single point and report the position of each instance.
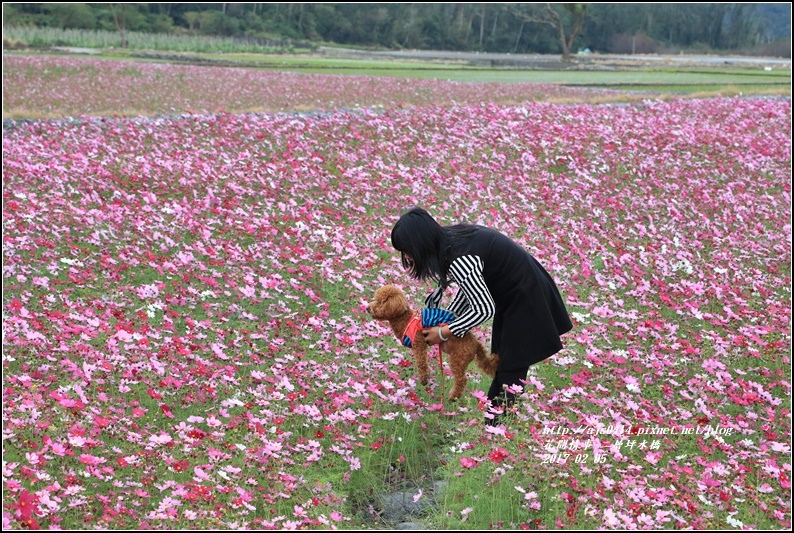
(473, 303)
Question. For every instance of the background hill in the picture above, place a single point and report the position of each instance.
(752, 29)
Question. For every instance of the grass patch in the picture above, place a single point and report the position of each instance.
(404, 455)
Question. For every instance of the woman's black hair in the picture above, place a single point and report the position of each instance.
(417, 235)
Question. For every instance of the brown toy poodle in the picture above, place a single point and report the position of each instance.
(390, 304)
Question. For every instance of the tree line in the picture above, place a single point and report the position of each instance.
(493, 27)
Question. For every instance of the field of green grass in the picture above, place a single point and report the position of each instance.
(680, 80)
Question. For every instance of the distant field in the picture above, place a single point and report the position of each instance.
(51, 86)
(57, 86)
(679, 80)
(683, 79)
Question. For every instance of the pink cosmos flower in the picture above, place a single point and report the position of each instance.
(468, 462)
(610, 518)
(25, 508)
(60, 450)
(91, 460)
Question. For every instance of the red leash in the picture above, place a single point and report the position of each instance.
(441, 367)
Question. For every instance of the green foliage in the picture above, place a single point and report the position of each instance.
(492, 27)
(45, 37)
(404, 456)
(63, 15)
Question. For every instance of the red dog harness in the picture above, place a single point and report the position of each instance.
(413, 327)
(428, 318)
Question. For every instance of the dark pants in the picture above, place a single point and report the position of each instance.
(499, 396)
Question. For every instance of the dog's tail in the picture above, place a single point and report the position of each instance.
(485, 361)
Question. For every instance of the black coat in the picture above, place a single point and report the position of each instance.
(530, 314)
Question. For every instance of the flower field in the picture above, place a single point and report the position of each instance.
(186, 345)
(38, 86)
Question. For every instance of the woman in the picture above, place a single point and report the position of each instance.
(497, 279)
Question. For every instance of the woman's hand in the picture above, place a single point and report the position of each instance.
(432, 334)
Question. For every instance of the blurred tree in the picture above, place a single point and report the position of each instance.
(193, 19)
(216, 23)
(547, 14)
(496, 27)
(159, 23)
(741, 27)
(120, 19)
(64, 15)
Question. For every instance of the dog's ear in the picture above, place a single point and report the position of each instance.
(394, 301)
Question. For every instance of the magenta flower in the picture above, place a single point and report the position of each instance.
(25, 508)
(468, 462)
(498, 455)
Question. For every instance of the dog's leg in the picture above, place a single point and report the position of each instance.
(458, 363)
(420, 359)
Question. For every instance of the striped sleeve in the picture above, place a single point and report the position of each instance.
(459, 304)
(467, 273)
(433, 299)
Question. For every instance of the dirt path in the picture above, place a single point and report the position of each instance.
(578, 62)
